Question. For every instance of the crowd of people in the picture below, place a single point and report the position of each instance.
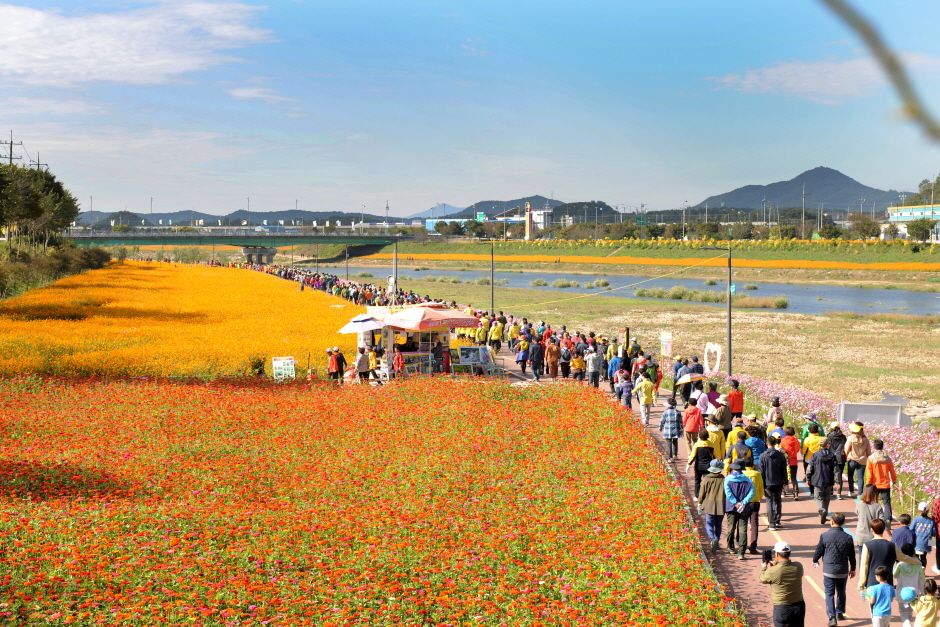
(738, 461)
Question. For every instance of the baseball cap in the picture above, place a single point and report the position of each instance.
(922, 506)
(781, 547)
(834, 425)
(335, 348)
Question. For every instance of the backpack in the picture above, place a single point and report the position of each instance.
(565, 354)
(634, 349)
(742, 451)
(651, 371)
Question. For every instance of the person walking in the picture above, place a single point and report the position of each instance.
(837, 441)
(692, 423)
(908, 576)
(772, 465)
(785, 578)
(522, 352)
(676, 367)
(711, 501)
(739, 491)
(398, 363)
(645, 393)
(537, 359)
(880, 473)
(754, 522)
(791, 446)
(362, 365)
(836, 550)
(723, 414)
(880, 596)
(880, 552)
(867, 509)
(701, 456)
(809, 444)
(552, 355)
(857, 452)
(820, 471)
(927, 606)
(736, 399)
(578, 366)
(925, 530)
(613, 366)
(564, 359)
(670, 424)
(593, 366)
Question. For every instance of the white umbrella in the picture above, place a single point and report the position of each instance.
(361, 324)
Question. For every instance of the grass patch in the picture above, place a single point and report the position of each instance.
(482, 281)
(563, 283)
(364, 275)
(538, 282)
(750, 286)
(905, 319)
(602, 283)
(760, 302)
(711, 282)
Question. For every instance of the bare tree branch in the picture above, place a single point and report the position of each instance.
(911, 105)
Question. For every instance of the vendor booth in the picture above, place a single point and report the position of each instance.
(416, 331)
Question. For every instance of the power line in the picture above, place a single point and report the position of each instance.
(11, 144)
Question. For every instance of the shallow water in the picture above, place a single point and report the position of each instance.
(804, 298)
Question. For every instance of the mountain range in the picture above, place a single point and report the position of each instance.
(824, 186)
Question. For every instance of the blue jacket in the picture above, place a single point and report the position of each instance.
(903, 535)
(613, 366)
(738, 489)
(757, 446)
(924, 529)
(676, 367)
(671, 423)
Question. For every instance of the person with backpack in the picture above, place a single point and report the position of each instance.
(754, 522)
(808, 448)
(837, 442)
(738, 451)
(924, 530)
(880, 472)
(821, 471)
(773, 467)
(700, 459)
(564, 359)
(739, 491)
(857, 452)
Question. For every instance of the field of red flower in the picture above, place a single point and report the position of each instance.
(248, 502)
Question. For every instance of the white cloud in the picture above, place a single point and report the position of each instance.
(147, 46)
(46, 106)
(261, 93)
(472, 47)
(825, 82)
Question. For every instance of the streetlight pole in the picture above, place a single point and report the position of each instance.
(492, 278)
(386, 217)
(729, 299)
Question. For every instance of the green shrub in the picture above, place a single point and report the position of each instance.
(711, 282)
(781, 302)
(364, 275)
(602, 283)
(750, 286)
(482, 281)
(538, 283)
(561, 283)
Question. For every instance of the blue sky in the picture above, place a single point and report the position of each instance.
(340, 104)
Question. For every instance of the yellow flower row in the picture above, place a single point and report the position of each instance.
(167, 320)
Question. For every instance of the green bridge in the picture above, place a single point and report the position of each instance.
(238, 238)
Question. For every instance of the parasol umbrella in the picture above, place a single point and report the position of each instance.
(361, 324)
(421, 318)
(689, 378)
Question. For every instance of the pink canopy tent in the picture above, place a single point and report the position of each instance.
(423, 318)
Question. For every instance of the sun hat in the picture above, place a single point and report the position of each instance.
(716, 466)
(736, 466)
(775, 401)
(811, 416)
(908, 594)
(723, 399)
(855, 427)
(834, 425)
(750, 416)
(781, 547)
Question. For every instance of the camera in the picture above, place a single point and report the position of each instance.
(768, 556)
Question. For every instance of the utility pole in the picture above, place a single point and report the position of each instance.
(11, 144)
(861, 204)
(362, 220)
(386, 217)
(151, 212)
(706, 212)
(803, 220)
(37, 162)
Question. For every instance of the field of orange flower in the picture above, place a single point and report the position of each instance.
(246, 502)
(149, 319)
(716, 262)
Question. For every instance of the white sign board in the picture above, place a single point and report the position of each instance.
(283, 368)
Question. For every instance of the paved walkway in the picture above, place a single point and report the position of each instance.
(800, 529)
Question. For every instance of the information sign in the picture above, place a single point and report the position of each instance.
(283, 368)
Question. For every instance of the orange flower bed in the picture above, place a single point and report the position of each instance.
(688, 261)
(423, 503)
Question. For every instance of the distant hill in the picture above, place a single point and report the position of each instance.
(181, 218)
(495, 207)
(438, 211)
(823, 185)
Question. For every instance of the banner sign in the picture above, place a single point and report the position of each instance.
(283, 368)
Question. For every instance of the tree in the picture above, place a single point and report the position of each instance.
(920, 229)
(864, 226)
(440, 226)
(121, 228)
(656, 230)
(892, 231)
(707, 230)
(473, 228)
(742, 230)
(830, 231)
(784, 231)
